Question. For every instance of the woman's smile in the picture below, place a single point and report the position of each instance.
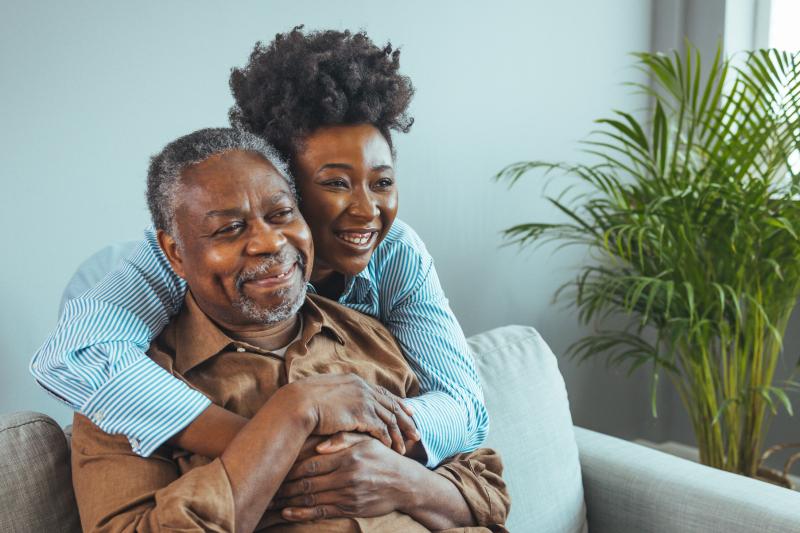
(362, 240)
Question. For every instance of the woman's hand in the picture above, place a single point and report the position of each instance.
(362, 478)
(345, 402)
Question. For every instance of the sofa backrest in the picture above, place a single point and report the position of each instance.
(531, 427)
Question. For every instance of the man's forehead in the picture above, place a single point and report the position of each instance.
(233, 210)
(231, 164)
(225, 183)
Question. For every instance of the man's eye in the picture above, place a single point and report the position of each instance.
(384, 183)
(230, 229)
(283, 214)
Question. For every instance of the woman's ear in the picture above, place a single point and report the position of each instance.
(172, 250)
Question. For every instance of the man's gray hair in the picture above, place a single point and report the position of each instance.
(166, 167)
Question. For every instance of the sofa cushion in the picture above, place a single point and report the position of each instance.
(531, 427)
(35, 479)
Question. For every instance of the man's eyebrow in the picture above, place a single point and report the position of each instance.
(236, 211)
(223, 212)
(382, 167)
(278, 196)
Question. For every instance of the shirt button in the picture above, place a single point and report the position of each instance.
(135, 444)
(240, 349)
(97, 417)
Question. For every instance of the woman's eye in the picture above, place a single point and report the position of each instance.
(335, 182)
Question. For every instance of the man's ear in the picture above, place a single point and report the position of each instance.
(171, 249)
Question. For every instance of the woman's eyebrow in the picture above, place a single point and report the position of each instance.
(344, 166)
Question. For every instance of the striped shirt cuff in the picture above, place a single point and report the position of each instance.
(441, 423)
(145, 403)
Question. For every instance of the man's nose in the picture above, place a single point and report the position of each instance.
(264, 239)
(363, 204)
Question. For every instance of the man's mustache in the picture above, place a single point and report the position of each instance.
(269, 262)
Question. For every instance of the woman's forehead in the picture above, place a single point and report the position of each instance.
(361, 144)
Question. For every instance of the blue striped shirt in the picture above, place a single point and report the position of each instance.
(95, 359)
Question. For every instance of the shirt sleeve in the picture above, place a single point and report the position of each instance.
(450, 412)
(478, 476)
(95, 359)
(117, 490)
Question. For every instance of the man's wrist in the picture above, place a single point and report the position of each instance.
(294, 401)
(413, 487)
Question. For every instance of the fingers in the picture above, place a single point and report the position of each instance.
(291, 493)
(380, 425)
(314, 466)
(305, 514)
(390, 420)
(401, 414)
(340, 441)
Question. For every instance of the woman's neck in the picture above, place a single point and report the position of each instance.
(331, 285)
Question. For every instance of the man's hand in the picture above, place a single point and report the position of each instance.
(346, 402)
(362, 478)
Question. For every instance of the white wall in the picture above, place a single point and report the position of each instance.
(88, 90)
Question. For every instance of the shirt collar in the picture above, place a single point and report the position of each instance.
(198, 338)
(357, 287)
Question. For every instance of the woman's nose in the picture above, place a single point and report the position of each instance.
(363, 205)
(264, 239)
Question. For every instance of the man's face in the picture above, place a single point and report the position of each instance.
(243, 247)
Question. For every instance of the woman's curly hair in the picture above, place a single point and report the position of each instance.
(300, 82)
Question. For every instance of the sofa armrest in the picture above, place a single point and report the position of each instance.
(631, 488)
(35, 477)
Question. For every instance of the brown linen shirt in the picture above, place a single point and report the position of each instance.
(118, 490)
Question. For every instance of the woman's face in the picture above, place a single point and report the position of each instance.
(348, 195)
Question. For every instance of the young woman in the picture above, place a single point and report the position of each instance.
(328, 101)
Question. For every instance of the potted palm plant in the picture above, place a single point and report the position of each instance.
(693, 223)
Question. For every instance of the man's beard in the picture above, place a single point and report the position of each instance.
(288, 307)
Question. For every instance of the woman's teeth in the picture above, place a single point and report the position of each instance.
(356, 238)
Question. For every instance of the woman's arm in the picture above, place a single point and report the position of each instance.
(95, 362)
(450, 413)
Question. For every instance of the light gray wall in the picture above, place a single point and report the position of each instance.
(88, 90)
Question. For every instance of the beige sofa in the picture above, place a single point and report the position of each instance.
(551, 467)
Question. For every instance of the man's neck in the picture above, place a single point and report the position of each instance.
(269, 337)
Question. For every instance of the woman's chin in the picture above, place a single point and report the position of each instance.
(351, 268)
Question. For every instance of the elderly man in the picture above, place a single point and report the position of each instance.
(297, 366)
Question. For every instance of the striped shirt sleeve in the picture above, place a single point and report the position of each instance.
(95, 359)
(450, 413)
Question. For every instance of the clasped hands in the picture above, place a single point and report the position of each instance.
(358, 472)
